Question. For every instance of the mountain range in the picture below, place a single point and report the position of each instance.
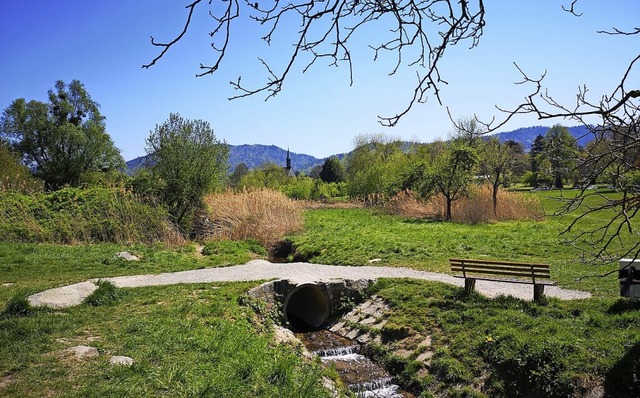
(256, 155)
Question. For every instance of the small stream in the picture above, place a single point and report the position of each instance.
(363, 376)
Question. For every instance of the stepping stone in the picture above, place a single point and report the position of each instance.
(63, 297)
(83, 351)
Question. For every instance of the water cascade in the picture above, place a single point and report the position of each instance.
(364, 377)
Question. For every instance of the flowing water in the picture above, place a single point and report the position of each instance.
(363, 376)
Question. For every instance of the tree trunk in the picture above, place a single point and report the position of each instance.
(559, 181)
(448, 215)
(495, 199)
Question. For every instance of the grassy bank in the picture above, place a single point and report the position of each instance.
(355, 236)
(186, 341)
(508, 347)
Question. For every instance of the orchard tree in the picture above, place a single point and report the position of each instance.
(61, 139)
(497, 161)
(189, 161)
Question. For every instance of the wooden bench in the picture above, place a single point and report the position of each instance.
(537, 275)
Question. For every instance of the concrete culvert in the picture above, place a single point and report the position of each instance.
(307, 307)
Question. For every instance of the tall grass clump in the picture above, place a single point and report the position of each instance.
(475, 208)
(76, 215)
(261, 214)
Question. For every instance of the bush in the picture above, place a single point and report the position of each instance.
(18, 305)
(75, 215)
(106, 293)
(262, 214)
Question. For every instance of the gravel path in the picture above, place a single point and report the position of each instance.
(297, 272)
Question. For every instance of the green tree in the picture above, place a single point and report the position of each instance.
(236, 175)
(375, 166)
(332, 170)
(534, 155)
(14, 176)
(448, 170)
(561, 150)
(190, 162)
(269, 175)
(61, 139)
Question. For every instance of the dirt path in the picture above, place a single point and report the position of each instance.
(297, 272)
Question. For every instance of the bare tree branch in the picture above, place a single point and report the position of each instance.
(166, 46)
(421, 30)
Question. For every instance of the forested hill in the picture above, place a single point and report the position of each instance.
(257, 155)
(527, 135)
(253, 156)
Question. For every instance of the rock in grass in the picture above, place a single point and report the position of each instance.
(83, 351)
(119, 360)
(127, 256)
(63, 297)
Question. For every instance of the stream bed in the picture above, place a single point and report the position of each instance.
(363, 376)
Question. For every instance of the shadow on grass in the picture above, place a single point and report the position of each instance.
(623, 305)
(623, 380)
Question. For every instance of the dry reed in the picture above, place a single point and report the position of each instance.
(476, 208)
(261, 214)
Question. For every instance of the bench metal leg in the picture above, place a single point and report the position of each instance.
(538, 293)
(469, 285)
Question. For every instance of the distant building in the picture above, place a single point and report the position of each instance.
(288, 169)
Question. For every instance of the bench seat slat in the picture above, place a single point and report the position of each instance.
(506, 280)
(535, 267)
(483, 269)
(522, 274)
(466, 261)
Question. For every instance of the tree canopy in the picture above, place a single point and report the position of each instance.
(189, 161)
(61, 139)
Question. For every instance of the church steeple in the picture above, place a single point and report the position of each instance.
(288, 161)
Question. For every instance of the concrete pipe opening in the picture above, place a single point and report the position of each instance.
(307, 308)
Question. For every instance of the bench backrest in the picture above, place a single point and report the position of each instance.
(501, 268)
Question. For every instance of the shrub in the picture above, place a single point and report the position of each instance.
(106, 293)
(536, 365)
(262, 214)
(18, 305)
(74, 215)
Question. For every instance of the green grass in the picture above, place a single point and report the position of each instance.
(186, 341)
(355, 236)
(36, 267)
(198, 340)
(540, 350)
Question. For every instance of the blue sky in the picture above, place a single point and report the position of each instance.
(104, 44)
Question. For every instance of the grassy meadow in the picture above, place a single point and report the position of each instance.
(202, 340)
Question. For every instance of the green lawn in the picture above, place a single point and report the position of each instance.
(355, 236)
(199, 340)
